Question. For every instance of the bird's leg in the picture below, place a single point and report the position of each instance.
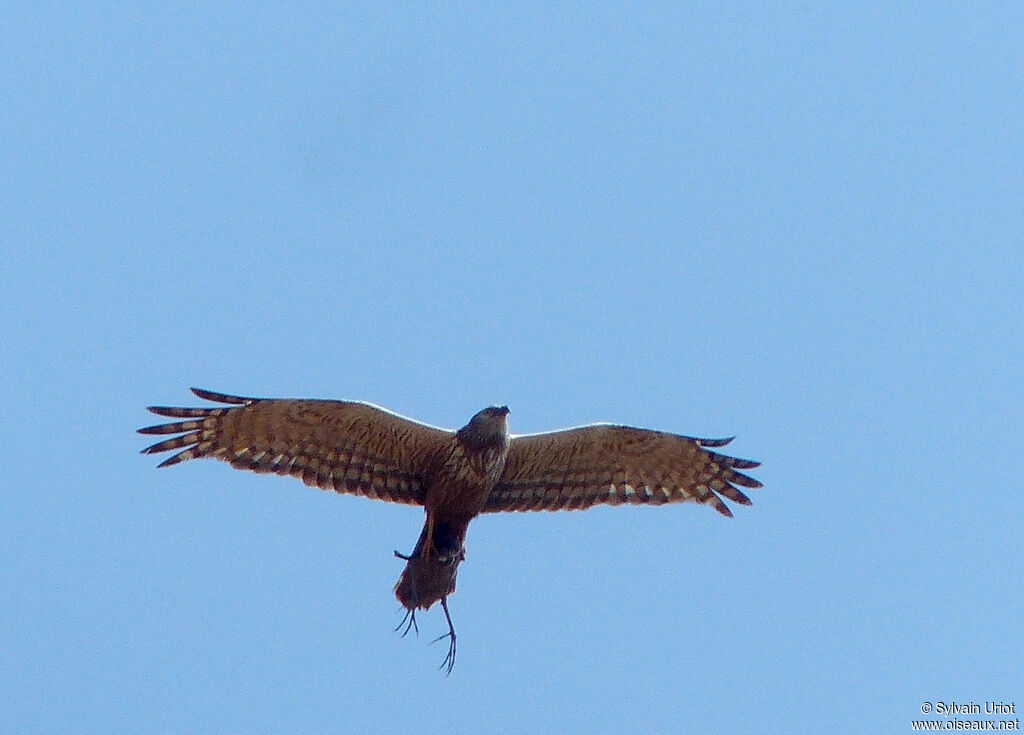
(410, 612)
(428, 541)
(449, 661)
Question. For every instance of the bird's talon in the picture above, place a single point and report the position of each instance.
(410, 615)
(449, 660)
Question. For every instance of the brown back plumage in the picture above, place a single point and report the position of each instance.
(577, 468)
(336, 445)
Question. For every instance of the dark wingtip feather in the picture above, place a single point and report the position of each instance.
(733, 494)
(715, 442)
(176, 442)
(179, 457)
(738, 478)
(174, 428)
(181, 413)
(743, 499)
(210, 395)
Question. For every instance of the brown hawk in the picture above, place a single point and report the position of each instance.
(362, 449)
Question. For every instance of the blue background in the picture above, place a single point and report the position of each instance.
(797, 223)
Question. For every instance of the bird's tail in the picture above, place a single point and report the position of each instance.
(425, 580)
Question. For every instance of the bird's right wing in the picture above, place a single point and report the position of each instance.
(336, 445)
(576, 468)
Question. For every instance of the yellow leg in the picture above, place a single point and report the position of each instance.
(428, 542)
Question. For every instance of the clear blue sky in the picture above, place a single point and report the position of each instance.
(799, 224)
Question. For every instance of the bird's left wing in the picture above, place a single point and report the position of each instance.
(577, 468)
(336, 445)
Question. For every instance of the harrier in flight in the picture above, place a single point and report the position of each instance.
(362, 449)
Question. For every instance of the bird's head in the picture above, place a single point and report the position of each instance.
(487, 428)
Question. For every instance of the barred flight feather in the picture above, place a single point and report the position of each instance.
(344, 446)
(577, 468)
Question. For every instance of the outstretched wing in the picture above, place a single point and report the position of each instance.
(336, 445)
(577, 468)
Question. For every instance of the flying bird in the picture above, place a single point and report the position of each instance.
(362, 449)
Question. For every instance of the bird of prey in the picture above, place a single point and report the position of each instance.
(362, 449)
